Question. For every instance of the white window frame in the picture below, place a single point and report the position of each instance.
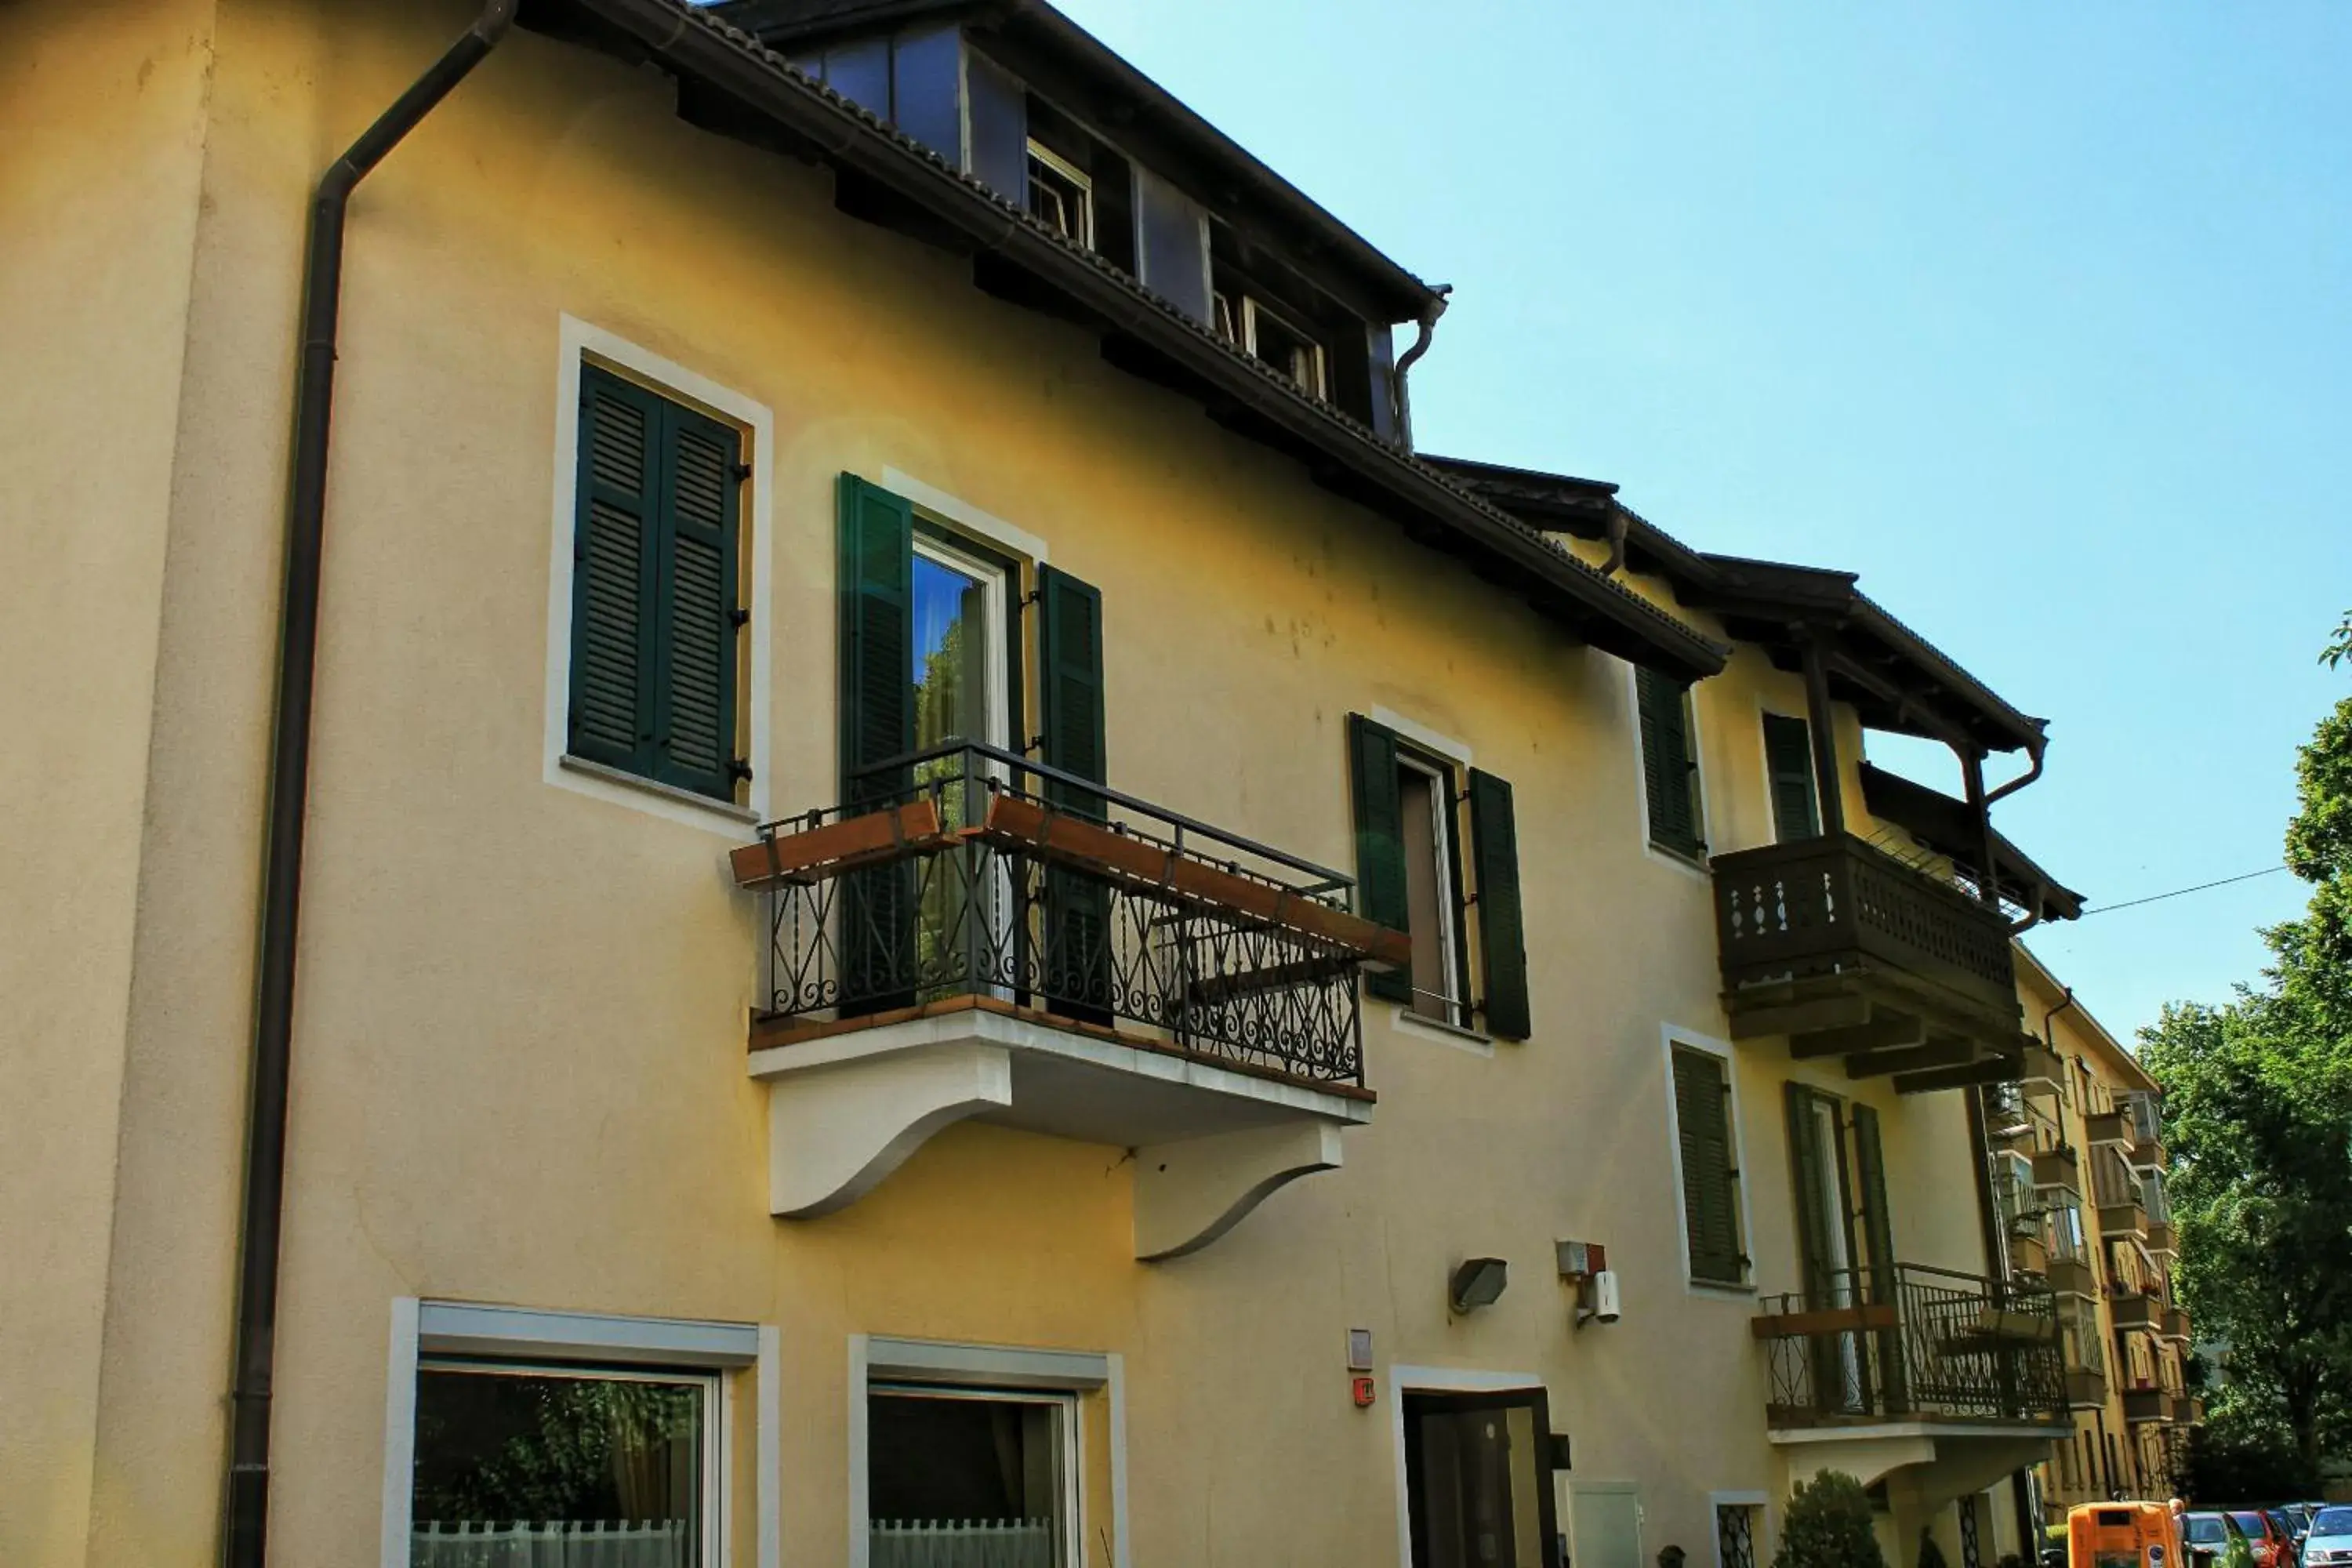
(1687, 867)
(996, 589)
(582, 343)
(1437, 743)
(1251, 309)
(1669, 1037)
(1079, 178)
(1444, 830)
(976, 1370)
(578, 1343)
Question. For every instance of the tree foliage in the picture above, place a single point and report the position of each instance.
(1827, 1525)
(2258, 1120)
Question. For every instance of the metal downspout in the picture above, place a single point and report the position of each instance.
(244, 1540)
(1429, 314)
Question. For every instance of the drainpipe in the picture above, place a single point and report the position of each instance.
(2048, 1037)
(247, 1502)
(1429, 314)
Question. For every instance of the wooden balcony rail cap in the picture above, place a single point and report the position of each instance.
(812, 854)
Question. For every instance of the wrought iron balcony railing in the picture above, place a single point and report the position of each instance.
(1817, 906)
(1915, 1344)
(969, 874)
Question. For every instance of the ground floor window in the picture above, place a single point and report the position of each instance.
(971, 1478)
(558, 1466)
(1735, 1534)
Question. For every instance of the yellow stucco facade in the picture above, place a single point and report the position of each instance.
(519, 1075)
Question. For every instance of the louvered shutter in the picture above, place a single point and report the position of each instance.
(1810, 1170)
(1878, 1249)
(697, 630)
(1502, 936)
(1710, 1184)
(1789, 761)
(1379, 842)
(1668, 773)
(614, 553)
(877, 938)
(1077, 957)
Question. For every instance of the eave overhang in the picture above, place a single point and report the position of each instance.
(731, 84)
(1895, 678)
(1948, 827)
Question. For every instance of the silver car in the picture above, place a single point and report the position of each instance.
(2330, 1541)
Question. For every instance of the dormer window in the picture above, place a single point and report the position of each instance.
(1061, 195)
(1269, 337)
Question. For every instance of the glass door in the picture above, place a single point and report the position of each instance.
(961, 670)
(1478, 1480)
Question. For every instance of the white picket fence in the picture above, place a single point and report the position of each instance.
(566, 1543)
(972, 1544)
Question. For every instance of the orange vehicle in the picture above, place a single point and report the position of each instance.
(2122, 1535)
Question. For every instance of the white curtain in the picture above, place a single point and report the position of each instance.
(560, 1544)
(976, 1544)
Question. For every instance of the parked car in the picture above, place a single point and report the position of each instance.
(2273, 1546)
(2215, 1540)
(2292, 1525)
(2329, 1540)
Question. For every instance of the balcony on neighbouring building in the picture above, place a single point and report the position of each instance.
(984, 938)
(1851, 952)
(2175, 1325)
(2134, 1310)
(2118, 1196)
(2144, 1128)
(2148, 1406)
(2057, 1170)
(1914, 1344)
(2102, 1129)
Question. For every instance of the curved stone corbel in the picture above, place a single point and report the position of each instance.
(1191, 1192)
(835, 1133)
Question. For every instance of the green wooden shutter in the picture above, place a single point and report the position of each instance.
(695, 642)
(1808, 1166)
(615, 548)
(1379, 842)
(1502, 935)
(1077, 956)
(1710, 1183)
(877, 939)
(653, 593)
(877, 639)
(1789, 761)
(1669, 776)
(1878, 1249)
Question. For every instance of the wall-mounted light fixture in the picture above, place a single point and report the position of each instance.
(1479, 1282)
(1584, 1266)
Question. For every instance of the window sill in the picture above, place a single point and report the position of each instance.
(1694, 866)
(626, 780)
(1455, 1034)
(1721, 1291)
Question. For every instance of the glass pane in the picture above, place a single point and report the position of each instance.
(517, 1469)
(964, 1483)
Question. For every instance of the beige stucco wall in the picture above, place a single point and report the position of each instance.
(101, 148)
(520, 1023)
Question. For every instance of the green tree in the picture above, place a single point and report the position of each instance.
(1827, 1525)
(2258, 1120)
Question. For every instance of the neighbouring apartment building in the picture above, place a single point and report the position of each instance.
(2078, 1156)
(952, 911)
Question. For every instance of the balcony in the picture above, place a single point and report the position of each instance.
(1848, 952)
(2070, 1275)
(2086, 1388)
(2102, 1128)
(1914, 1345)
(988, 939)
(2162, 1242)
(2058, 1170)
(2148, 1406)
(2175, 1325)
(2134, 1310)
(2044, 1076)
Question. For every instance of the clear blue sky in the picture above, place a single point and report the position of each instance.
(2037, 316)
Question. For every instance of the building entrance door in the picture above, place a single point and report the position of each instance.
(1478, 1480)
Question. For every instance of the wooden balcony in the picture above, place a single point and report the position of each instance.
(1847, 951)
(2148, 1406)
